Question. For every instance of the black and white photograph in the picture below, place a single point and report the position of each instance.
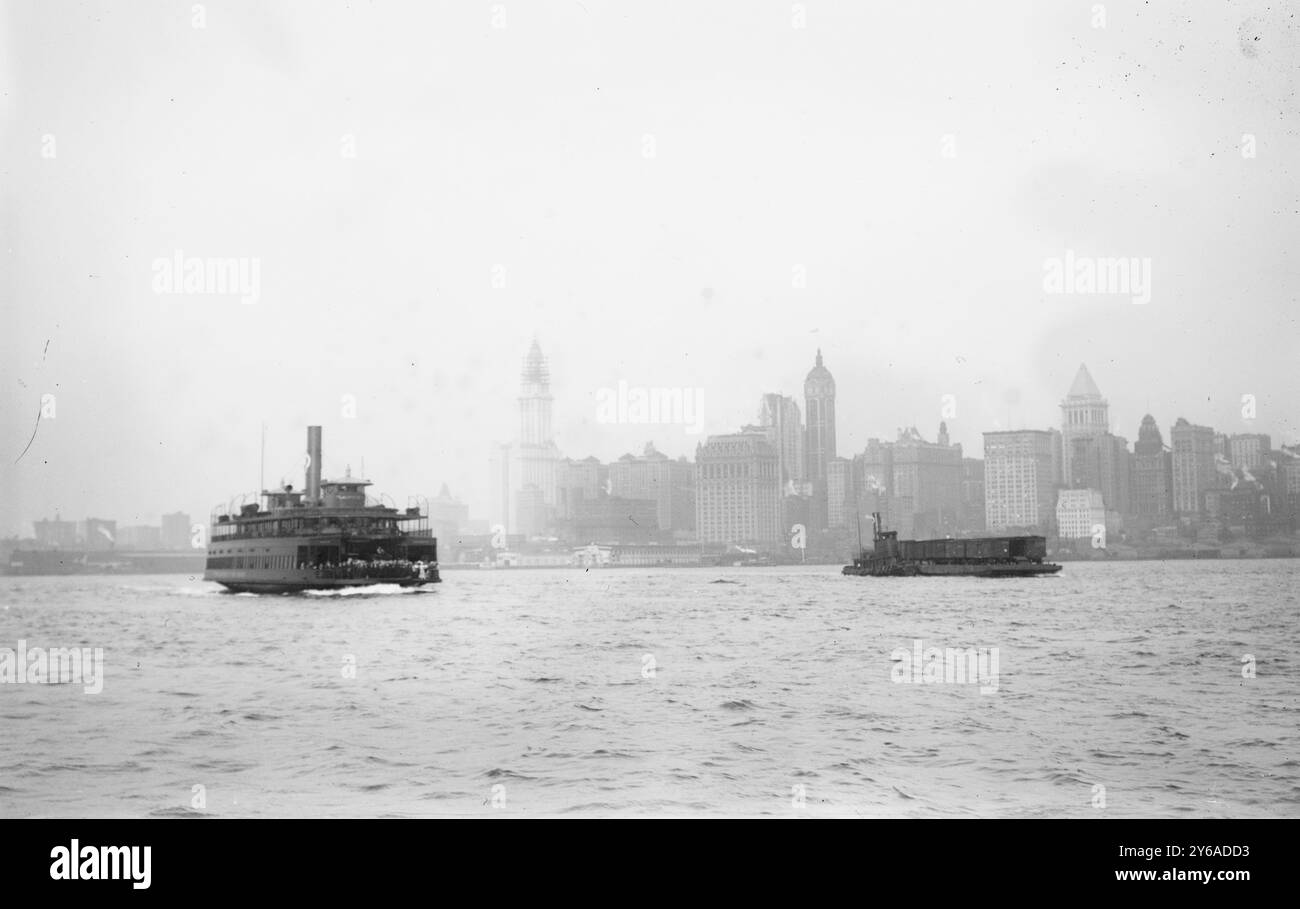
(610, 409)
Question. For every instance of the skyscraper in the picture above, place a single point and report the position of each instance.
(1193, 466)
(1248, 450)
(1020, 479)
(926, 484)
(1084, 415)
(1153, 479)
(535, 400)
(840, 506)
(780, 416)
(915, 484)
(580, 482)
(1093, 457)
(537, 457)
(736, 490)
(819, 445)
(657, 478)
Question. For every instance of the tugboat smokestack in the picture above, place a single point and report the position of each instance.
(313, 465)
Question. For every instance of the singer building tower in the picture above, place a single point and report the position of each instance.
(819, 436)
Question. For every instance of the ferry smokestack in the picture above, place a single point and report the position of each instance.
(313, 465)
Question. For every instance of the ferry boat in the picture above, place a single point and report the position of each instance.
(325, 537)
(984, 557)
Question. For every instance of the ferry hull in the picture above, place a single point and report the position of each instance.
(297, 580)
(281, 586)
(972, 571)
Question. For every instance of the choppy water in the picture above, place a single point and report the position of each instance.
(531, 693)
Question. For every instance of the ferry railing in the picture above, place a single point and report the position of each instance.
(382, 570)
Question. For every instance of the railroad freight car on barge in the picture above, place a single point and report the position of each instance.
(985, 557)
(322, 538)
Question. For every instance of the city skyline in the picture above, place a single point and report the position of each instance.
(534, 420)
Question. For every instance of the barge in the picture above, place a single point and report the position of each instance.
(984, 557)
(329, 536)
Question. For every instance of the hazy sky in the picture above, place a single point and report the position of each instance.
(649, 179)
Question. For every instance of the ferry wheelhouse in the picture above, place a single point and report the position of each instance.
(327, 536)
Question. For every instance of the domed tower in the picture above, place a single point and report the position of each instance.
(819, 440)
(819, 418)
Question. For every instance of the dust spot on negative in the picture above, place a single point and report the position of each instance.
(1248, 38)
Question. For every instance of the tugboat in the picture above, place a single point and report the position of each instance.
(986, 557)
(326, 537)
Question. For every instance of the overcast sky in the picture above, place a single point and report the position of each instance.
(650, 181)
